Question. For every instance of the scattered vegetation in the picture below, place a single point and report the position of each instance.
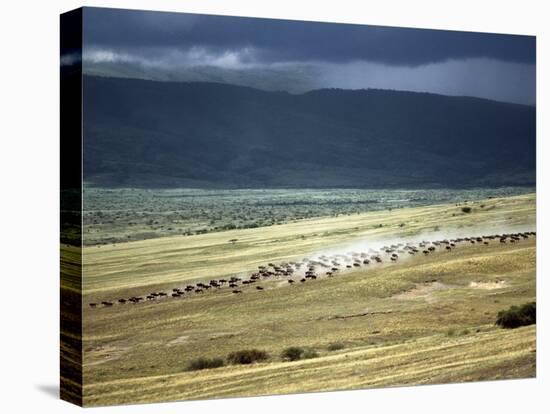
(247, 356)
(517, 316)
(120, 215)
(205, 363)
(466, 209)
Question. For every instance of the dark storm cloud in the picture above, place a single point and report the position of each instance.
(283, 40)
(298, 56)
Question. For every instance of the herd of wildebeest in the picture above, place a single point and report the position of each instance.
(322, 266)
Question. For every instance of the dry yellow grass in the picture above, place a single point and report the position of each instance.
(437, 359)
(397, 326)
(173, 259)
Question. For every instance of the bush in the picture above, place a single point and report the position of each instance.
(466, 209)
(517, 316)
(247, 356)
(293, 353)
(204, 363)
(335, 346)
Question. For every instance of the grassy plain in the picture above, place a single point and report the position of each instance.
(130, 214)
(161, 261)
(422, 320)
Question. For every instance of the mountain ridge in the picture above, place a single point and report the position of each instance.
(148, 133)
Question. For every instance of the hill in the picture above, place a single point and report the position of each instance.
(173, 134)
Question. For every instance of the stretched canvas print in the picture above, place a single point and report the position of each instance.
(257, 206)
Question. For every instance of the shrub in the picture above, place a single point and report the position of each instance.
(466, 209)
(335, 346)
(293, 353)
(517, 316)
(247, 356)
(204, 363)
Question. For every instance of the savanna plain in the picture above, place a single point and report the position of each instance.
(193, 294)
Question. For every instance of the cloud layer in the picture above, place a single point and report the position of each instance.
(299, 56)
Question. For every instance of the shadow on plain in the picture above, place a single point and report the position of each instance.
(51, 390)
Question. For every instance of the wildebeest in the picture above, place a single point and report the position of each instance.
(259, 288)
(237, 291)
(107, 303)
(93, 305)
(122, 301)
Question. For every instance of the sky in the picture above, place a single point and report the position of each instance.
(297, 56)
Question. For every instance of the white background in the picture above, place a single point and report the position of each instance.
(29, 203)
